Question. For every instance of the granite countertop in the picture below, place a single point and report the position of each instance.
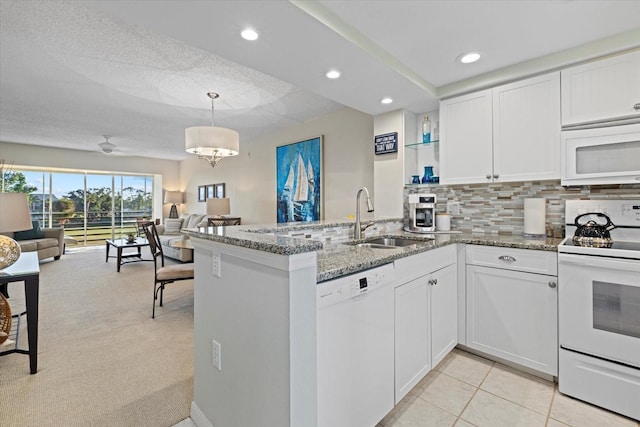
(339, 259)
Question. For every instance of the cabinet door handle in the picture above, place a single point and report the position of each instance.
(430, 282)
(496, 176)
(637, 106)
(435, 281)
(552, 284)
(488, 176)
(507, 258)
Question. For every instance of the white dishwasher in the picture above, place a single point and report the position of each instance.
(355, 348)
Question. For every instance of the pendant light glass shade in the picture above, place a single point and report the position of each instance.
(211, 143)
(209, 140)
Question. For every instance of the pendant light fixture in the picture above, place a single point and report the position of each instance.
(211, 143)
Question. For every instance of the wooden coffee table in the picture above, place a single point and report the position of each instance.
(121, 244)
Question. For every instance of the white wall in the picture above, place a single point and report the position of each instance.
(389, 168)
(250, 177)
(52, 158)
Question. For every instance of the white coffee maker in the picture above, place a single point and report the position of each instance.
(422, 213)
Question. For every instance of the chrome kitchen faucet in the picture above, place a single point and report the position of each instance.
(358, 229)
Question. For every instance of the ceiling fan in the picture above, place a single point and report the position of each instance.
(106, 147)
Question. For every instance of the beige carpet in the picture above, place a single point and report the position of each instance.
(102, 360)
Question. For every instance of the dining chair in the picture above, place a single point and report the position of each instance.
(163, 274)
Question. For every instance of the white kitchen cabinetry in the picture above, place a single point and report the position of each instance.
(512, 305)
(601, 91)
(425, 314)
(466, 136)
(412, 341)
(508, 133)
(444, 314)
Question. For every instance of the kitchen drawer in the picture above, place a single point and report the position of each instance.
(525, 260)
(415, 266)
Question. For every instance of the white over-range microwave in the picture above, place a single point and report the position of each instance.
(603, 155)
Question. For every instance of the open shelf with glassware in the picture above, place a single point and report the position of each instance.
(419, 156)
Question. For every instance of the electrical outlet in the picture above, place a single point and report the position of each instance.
(216, 355)
(453, 207)
(215, 265)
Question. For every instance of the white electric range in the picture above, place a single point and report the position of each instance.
(599, 309)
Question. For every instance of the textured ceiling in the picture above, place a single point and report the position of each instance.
(71, 71)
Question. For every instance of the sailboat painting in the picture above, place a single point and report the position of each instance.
(298, 180)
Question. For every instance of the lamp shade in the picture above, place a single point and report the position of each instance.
(14, 212)
(14, 216)
(173, 197)
(218, 207)
(209, 140)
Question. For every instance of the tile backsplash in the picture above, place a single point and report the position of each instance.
(499, 208)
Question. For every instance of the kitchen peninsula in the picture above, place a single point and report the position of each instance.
(255, 295)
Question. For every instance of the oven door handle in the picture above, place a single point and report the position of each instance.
(599, 262)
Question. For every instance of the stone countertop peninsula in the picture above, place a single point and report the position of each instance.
(337, 252)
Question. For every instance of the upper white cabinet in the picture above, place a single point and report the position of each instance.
(466, 136)
(601, 91)
(508, 133)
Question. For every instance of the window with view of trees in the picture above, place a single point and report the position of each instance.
(91, 207)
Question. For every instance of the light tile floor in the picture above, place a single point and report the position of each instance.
(465, 390)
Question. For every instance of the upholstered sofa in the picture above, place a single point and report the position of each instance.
(50, 244)
(170, 232)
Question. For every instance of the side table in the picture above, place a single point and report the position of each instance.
(27, 270)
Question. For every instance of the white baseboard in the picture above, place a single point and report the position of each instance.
(198, 417)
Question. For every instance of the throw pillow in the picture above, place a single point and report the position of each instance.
(172, 225)
(35, 232)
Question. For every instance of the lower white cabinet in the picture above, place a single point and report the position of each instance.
(425, 315)
(444, 313)
(512, 314)
(412, 335)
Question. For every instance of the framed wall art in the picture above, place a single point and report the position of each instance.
(211, 191)
(299, 181)
(218, 191)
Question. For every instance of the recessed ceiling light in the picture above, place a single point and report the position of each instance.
(249, 34)
(386, 100)
(468, 58)
(333, 74)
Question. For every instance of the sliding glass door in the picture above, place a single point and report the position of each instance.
(91, 207)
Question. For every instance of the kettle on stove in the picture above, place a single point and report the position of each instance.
(591, 233)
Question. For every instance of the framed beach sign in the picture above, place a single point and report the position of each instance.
(299, 181)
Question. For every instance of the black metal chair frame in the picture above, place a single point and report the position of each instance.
(156, 251)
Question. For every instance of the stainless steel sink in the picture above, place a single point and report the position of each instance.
(375, 246)
(388, 243)
(395, 242)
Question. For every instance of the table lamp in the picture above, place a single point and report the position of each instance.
(14, 216)
(173, 197)
(218, 207)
